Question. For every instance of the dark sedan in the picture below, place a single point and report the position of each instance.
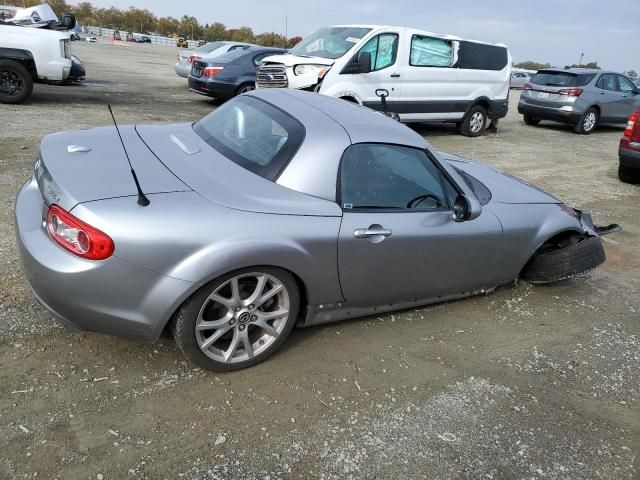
(229, 75)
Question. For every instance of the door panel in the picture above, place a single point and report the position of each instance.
(630, 100)
(421, 255)
(609, 97)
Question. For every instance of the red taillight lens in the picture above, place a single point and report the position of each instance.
(212, 71)
(79, 238)
(193, 58)
(631, 123)
(572, 92)
(527, 86)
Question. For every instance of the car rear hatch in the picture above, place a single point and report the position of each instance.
(89, 165)
(555, 88)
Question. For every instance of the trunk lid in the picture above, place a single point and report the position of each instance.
(84, 166)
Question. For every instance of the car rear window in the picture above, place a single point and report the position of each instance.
(478, 56)
(208, 47)
(562, 79)
(252, 133)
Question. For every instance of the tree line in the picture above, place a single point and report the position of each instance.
(144, 21)
(531, 65)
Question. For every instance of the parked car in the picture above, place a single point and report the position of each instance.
(130, 37)
(581, 97)
(429, 77)
(182, 42)
(280, 208)
(230, 74)
(519, 79)
(89, 38)
(74, 36)
(117, 36)
(143, 39)
(629, 151)
(208, 50)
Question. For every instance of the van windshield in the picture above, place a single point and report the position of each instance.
(329, 42)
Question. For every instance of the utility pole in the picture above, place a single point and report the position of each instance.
(286, 30)
(580, 61)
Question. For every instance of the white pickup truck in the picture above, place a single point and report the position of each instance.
(34, 49)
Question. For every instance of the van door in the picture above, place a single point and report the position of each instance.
(384, 50)
(429, 79)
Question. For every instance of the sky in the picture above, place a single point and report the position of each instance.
(546, 31)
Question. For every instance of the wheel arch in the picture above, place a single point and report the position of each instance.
(549, 238)
(24, 57)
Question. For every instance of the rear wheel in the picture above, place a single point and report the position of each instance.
(588, 122)
(628, 175)
(245, 87)
(16, 83)
(553, 263)
(531, 119)
(474, 122)
(238, 320)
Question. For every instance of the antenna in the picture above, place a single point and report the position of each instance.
(143, 201)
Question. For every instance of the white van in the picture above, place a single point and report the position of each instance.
(429, 77)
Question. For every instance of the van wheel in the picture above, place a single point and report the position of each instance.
(531, 119)
(628, 175)
(588, 122)
(16, 83)
(474, 122)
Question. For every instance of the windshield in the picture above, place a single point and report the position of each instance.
(253, 134)
(329, 42)
(562, 79)
(209, 47)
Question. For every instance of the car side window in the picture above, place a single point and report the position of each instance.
(625, 85)
(383, 49)
(430, 52)
(607, 82)
(382, 176)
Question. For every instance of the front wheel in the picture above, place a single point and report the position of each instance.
(588, 122)
(16, 83)
(628, 175)
(474, 122)
(238, 320)
(245, 87)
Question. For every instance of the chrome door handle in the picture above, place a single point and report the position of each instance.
(367, 233)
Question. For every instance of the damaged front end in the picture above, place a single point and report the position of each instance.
(589, 227)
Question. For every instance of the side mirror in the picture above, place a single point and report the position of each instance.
(466, 208)
(68, 21)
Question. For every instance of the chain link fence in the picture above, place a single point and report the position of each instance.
(108, 33)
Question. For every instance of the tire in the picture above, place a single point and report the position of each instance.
(16, 84)
(563, 263)
(531, 119)
(474, 122)
(237, 320)
(588, 122)
(245, 87)
(628, 175)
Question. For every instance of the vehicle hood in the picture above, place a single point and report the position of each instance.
(222, 181)
(289, 60)
(50, 35)
(100, 172)
(504, 188)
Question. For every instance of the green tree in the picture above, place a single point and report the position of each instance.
(242, 34)
(216, 31)
(531, 65)
(632, 73)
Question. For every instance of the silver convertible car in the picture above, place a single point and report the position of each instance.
(280, 208)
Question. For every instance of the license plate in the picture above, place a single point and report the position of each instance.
(543, 95)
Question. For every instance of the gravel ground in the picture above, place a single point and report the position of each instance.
(528, 382)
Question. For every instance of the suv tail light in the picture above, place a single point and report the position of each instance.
(77, 237)
(572, 92)
(192, 58)
(212, 71)
(631, 123)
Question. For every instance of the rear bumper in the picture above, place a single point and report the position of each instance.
(549, 113)
(183, 69)
(212, 88)
(110, 296)
(629, 158)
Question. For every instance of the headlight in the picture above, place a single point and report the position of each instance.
(320, 70)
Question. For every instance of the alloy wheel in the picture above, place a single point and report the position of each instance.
(245, 89)
(589, 121)
(10, 82)
(242, 317)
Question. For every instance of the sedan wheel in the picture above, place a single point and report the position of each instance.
(239, 320)
(248, 87)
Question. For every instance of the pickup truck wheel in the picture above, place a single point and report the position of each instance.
(16, 83)
(628, 175)
(563, 263)
(474, 122)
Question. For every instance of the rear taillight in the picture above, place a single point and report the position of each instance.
(631, 123)
(572, 92)
(193, 58)
(528, 86)
(212, 71)
(77, 237)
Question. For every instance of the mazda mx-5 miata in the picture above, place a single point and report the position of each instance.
(280, 208)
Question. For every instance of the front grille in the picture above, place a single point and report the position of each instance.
(196, 69)
(270, 76)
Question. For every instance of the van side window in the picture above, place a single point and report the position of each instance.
(430, 52)
(383, 49)
(478, 56)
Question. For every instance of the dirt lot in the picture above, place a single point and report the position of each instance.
(527, 382)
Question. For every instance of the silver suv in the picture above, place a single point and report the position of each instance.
(579, 96)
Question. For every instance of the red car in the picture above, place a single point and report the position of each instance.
(116, 35)
(629, 151)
